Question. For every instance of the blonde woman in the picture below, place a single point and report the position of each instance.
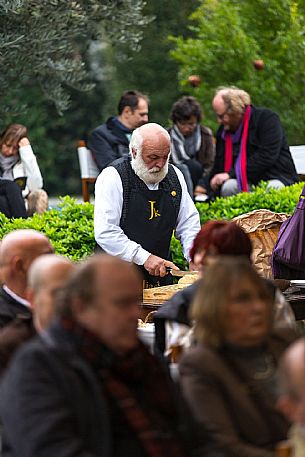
(228, 378)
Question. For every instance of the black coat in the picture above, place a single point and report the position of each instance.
(268, 155)
(52, 405)
(11, 308)
(108, 143)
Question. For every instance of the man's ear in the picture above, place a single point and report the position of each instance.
(126, 111)
(17, 264)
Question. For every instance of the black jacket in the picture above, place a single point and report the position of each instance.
(52, 405)
(176, 309)
(268, 155)
(11, 308)
(107, 143)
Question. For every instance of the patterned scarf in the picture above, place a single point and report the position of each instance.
(156, 425)
(240, 166)
(7, 164)
(184, 148)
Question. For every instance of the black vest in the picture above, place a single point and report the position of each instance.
(149, 217)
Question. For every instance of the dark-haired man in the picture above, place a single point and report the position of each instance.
(110, 141)
(87, 387)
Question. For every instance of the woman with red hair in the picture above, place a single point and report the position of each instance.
(216, 238)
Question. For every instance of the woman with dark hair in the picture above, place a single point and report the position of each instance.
(228, 377)
(216, 238)
(192, 146)
(19, 165)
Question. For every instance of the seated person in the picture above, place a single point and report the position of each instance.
(172, 322)
(251, 146)
(228, 378)
(18, 163)
(110, 141)
(192, 147)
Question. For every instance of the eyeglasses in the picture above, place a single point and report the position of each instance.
(221, 116)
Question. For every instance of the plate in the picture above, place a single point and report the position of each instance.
(298, 282)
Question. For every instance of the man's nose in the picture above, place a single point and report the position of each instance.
(145, 118)
(160, 163)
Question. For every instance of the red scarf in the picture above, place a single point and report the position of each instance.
(241, 162)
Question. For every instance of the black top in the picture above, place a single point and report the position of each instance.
(268, 154)
(149, 216)
(108, 142)
(11, 308)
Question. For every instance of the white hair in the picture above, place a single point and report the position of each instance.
(148, 175)
(139, 134)
(136, 141)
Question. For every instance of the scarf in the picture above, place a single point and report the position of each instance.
(7, 164)
(240, 166)
(184, 148)
(155, 426)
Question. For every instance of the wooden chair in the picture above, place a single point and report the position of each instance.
(298, 156)
(88, 169)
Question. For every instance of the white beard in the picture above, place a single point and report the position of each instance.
(149, 176)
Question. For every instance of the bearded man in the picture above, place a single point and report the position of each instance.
(140, 201)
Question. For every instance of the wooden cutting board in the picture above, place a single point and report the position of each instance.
(158, 295)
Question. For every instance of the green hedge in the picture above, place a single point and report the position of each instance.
(70, 226)
(279, 201)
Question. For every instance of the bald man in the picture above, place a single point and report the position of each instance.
(251, 146)
(140, 201)
(47, 276)
(17, 252)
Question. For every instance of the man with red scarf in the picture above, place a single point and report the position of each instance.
(251, 146)
(87, 386)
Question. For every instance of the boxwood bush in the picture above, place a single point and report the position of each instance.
(70, 226)
(279, 201)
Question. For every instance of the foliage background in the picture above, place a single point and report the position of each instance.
(123, 49)
(51, 49)
(228, 35)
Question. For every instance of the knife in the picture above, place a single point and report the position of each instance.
(179, 273)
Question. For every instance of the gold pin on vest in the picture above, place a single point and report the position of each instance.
(173, 193)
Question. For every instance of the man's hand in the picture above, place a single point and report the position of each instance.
(218, 180)
(23, 142)
(156, 266)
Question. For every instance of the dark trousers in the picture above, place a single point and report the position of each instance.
(11, 200)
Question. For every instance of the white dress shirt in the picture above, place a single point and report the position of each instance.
(107, 215)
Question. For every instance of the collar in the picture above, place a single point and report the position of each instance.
(16, 297)
(121, 126)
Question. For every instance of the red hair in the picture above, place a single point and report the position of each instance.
(226, 237)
